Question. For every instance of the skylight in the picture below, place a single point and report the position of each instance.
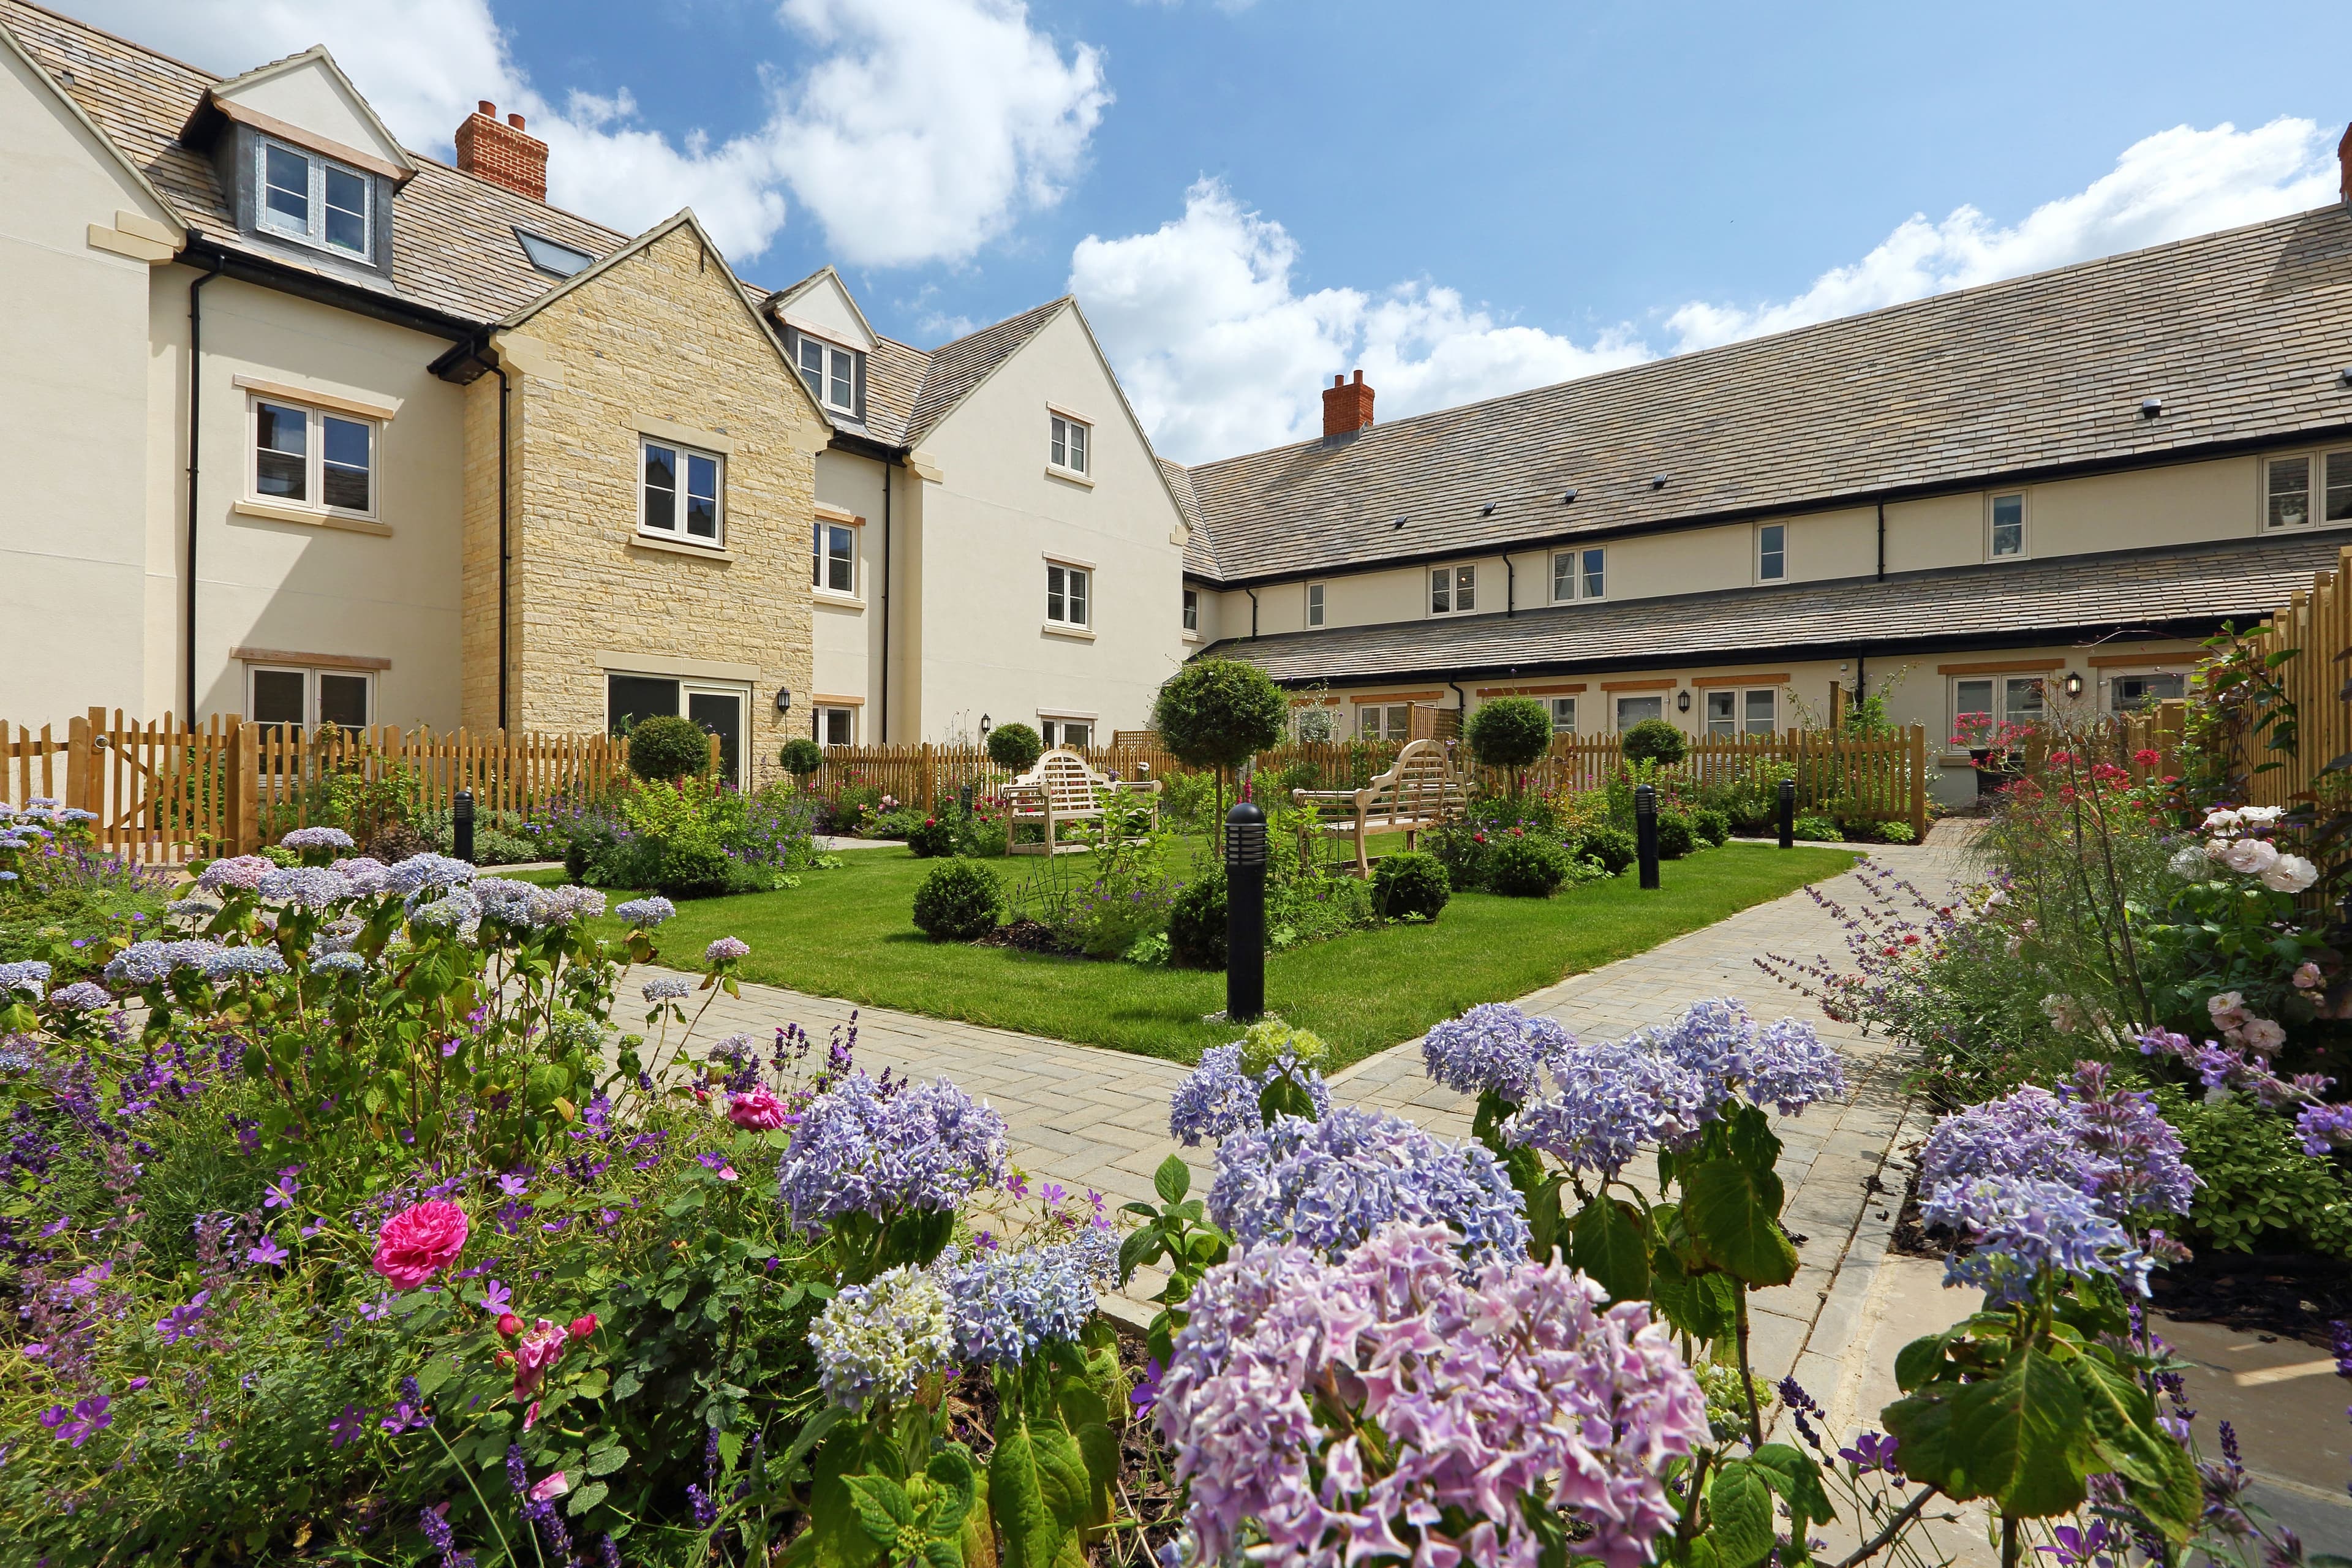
(561, 261)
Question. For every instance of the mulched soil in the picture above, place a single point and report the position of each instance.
(1023, 936)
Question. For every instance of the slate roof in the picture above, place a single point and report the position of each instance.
(2243, 334)
(957, 367)
(454, 248)
(1199, 550)
(2061, 599)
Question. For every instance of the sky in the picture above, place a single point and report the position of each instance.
(1249, 195)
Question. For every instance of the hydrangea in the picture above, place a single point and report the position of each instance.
(1789, 1068)
(304, 840)
(192, 909)
(81, 997)
(858, 1151)
(1270, 1040)
(726, 949)
(1494, 1049)
(145, 964)
(569, 905)
(646, 912)
(419, 875)
(309, 887)
(1329, 1184)
(453, 911)
(338, 964)
(242, 963)
(29, 975)
(880, 1341)
(520, 906)
(667, 989)
(2111, 1145)
(363, 874)
(1484, 1392)
(1008, 1303)
(2021, 1227)
(238, 873)
(1216, 1101)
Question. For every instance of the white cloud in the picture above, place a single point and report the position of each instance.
(921, 131)
(1221, 354)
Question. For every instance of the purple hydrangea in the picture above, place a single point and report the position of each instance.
(81, 997)
(303, 840)
(668, 989)
(1217, 1099)
(2111, 1145)
(725, 949)
(29, 975)
(2323, 1128)
(338, 964)
(145, 964)
(363, 874)
(860, 1151)
(646, 912)
(415, 878)
(1494, 1049)
(237, 873)
(1516, 1386)
(1327, 1185)
(308, 887)
(242, 963)
(1006, 1303)
(2023, 1226)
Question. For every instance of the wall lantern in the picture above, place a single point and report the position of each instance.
(783, 699)
(2073, 683)
(1682, 701)
(986, 724)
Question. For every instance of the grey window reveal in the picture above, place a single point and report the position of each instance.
(558, 260)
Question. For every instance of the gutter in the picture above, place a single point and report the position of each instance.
(247, 268)
(195, 430)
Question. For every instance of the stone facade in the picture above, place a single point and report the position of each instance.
(657, 343)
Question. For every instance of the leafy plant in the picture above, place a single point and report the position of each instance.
(1196, 922)
(1709, 824)
(2261, 1191)
(1612, 849)
(1819, 828)
(1655, 740)
(1411, 885)
(1510, 732)
(1014, 747)
(959, 901)
(1219, 713)
(1526, 866)
(1676, 835)
(800, 757)
(666, 747)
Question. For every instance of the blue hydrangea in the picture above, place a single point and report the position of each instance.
(1329, 1184)
(1494, 1049)
(1006, 1303)
(668, 989)
(30, 976)
(646, 912)
(860, 1151)
(413, 879)
(244, 963)
(2022, 1229)
(304, 840)
(1217, 1099)
(1789, 1068)
(145, 964)
(338, 964)
(454, 910)
(1613, 1097)
(363, 873)
(880, 1341)
(81, 997)
(309, 887)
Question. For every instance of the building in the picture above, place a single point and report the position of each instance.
(316, 429)
(1972, 504)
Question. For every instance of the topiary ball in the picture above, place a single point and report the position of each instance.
(1676, 836)
(1523, 865)
(801, 756)
(1654, 739)
(1410, 884)
(959, 901)
(1614, 847)
(691, 869)
(1014, 747)
(1510, 732)
(931, 838)
(666, 747)
(1713, 826)
(1196, 923)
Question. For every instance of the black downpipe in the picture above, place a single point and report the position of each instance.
(883, 739)
(1510, 587)
(1861, 681)
(196, 408)
(1882, 541)
(1461, 702)
(1252, 593)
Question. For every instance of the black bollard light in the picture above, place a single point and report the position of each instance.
(462, 832)
(964, 796)
(1645, 832)
(1788, 813)
(1244, 913)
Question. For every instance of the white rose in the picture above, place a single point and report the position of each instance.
(2252, 856)
(2217, 820)
(2258, 816)
(2289, 874)
(2216, 848)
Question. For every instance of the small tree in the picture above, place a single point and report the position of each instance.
(1014, 747)
(1654, 739)
(801, 757)
(1511, 733)
(1218, 713)
(666, 747)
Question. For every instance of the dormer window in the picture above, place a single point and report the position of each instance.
(557, 260)
(308, 198)
(831, 373)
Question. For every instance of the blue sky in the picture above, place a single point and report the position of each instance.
(1464, 200)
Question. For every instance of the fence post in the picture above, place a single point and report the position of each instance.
(1918, 784)
(78, 763)
(245, 789)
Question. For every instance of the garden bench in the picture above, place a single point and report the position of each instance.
(1061, 787)
(1423, 789)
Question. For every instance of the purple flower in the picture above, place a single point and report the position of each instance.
(2112, 1145)
(1217, 1098)
(1494, 1049)
(1006, 1304)
(181, 1322)
(266, 1251)
(2323, 1128)
(2024, 1228)
(646, 913)
(76, 1426)
(1873, 1451)
(858, 1151)
(725, 950)
(434, 1522)
(279, 1194)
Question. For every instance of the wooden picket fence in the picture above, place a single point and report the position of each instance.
(2315, 625)
(164, 794)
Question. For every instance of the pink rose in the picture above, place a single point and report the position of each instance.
(757, 1108)
(538, 1349)
(583, 1325)
(418, 1242)
(2307, 977)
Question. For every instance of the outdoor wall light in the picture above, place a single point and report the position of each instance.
(986, 724)
(2073, 683)
(783, 699)
(1682, 701)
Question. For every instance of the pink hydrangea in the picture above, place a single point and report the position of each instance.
(758, 1109)
(242, 873)
(418, 1242)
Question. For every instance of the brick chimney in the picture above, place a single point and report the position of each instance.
(502, 154)
(2344, 161)
(1347, 406)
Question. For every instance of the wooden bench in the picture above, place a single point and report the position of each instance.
(1063, 788)
(1422, 790)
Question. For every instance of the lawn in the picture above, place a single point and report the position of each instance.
(849, 933)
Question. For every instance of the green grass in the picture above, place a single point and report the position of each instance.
(849, 933)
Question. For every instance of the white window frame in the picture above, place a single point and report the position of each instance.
(1588, 573)
(2153, 673)
(310, 674)
(1383, 721)
(1563, 715)
(1082, 577)
(1999, 703)
(2024, 551)
(820, 720)
(820, 558)
(1617, 706)
(1317, 604)
(2320, 488)
(314, 440)
(688, 688)
(683, 453)
(311, 230)
(1189, 612)
(1452, 585)
(1741, 721)
(1772, 547)
(1069, 444)
(1054, 729)
(839, 368)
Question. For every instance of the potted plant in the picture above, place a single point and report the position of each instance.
(1993, 746)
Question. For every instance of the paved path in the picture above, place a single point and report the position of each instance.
(1090, 1117)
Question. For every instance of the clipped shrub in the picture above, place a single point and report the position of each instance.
(801, 757)
(686, 868)
(959, 901)
(1654, 739)
(1711, 825)
(666, 747)
(1820, 827)
(934, 836)
(1676, 835)
(1510, 732)
(1196, 923)
(1014, 747)
(1410, 884)
(1614, 847)
(1219, 713)
(1522, 866)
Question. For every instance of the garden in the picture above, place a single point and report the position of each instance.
(395, 1212)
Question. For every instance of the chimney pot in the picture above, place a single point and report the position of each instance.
(515, 121)
(1347, 407)
(487, 109)
(503, 155)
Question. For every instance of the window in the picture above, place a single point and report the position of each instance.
(1772, 553)
(1069, 445)
(1314, 604)
(1633, 711)
(1453, 590)
(291, 702)
(2131, 693)
(2288, 484)
(1074, 733)
(1316, 725)
(1563, 715)
(1193, 610)
(1740, 713)
(1384, 721)
(558, 260)
(1980, 705)
(835, 570)
(2339, 488)
(832, 726)
(717, 710)
(2288, 492)
(2007, 526)
(305, 198)
(831, 373)
(1066, 594)
(681, 485)
(308, 458)
(1578, 575)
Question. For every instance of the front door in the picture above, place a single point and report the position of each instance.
(720, 713)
